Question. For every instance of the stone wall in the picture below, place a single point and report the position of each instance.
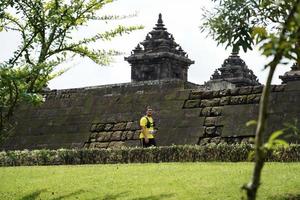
(68, 118)
(107, 116)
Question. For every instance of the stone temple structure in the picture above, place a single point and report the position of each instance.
(108, 116)
(160, 58)
(235, 71)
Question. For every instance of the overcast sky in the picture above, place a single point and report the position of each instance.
(182, 19)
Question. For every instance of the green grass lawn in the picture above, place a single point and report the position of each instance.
(147, 181)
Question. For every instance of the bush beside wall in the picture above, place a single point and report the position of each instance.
(187, 153)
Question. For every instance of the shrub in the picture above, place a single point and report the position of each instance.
(187, 153)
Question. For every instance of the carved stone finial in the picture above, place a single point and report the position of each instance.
(215, 75)
(159, 21)
(160, 25)
(137, 49)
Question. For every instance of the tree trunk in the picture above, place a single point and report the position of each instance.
(252, 187)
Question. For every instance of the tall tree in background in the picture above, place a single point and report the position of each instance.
(46, 28)
(273, 25)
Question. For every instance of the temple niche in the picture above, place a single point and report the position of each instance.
(158, 57)
(233, 73)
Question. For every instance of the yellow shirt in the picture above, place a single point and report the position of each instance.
(143, 122)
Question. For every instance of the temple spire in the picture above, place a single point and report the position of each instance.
(160, 25)
(235, 71)
(159, 21)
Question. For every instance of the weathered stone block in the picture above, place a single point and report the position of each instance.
(100, 127)
(238, 100)
(207, 95)
(193, 112)
(219, 130)
(93, 135)
(136, 135)
(195, 94)
(116, 145)
(210, 121)
(213, 121)
(191, 103)
(182, 95)
(178, 136)
(257, 89)
(129, 125)
(272, 88)
(99, 145)
(245, 90)
(108, 127)
(235, 91)
(167, 105)
(135, 126)
(225, 100)
(124, 135)
(216, 94)
(129, 135)
(235, 119)
(119, 126)
(204, 141)
(285, 103)
(225, 92)
(210, 102)
(205, 112)
(132, 143)
(188, 122)
(293, 86)
(116, 135)
(216, 111)
(279, 88)
(253, 98)
(210, 130)
(104, 136)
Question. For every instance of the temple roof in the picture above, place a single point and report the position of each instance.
(159, 43)
(292, 75)
(235, 70)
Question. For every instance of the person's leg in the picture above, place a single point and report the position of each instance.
(152, 142)
(144, 144)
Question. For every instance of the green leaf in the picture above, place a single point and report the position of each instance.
(251, 123)
(275, 135)
(280, 142)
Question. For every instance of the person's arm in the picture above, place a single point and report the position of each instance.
(144, 132)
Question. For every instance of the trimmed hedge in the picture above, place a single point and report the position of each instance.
(187, 153)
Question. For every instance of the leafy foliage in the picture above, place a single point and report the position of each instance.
(245, 23)
(46, 28)
(221, 152)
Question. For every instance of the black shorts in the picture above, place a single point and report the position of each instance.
(151, 142)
